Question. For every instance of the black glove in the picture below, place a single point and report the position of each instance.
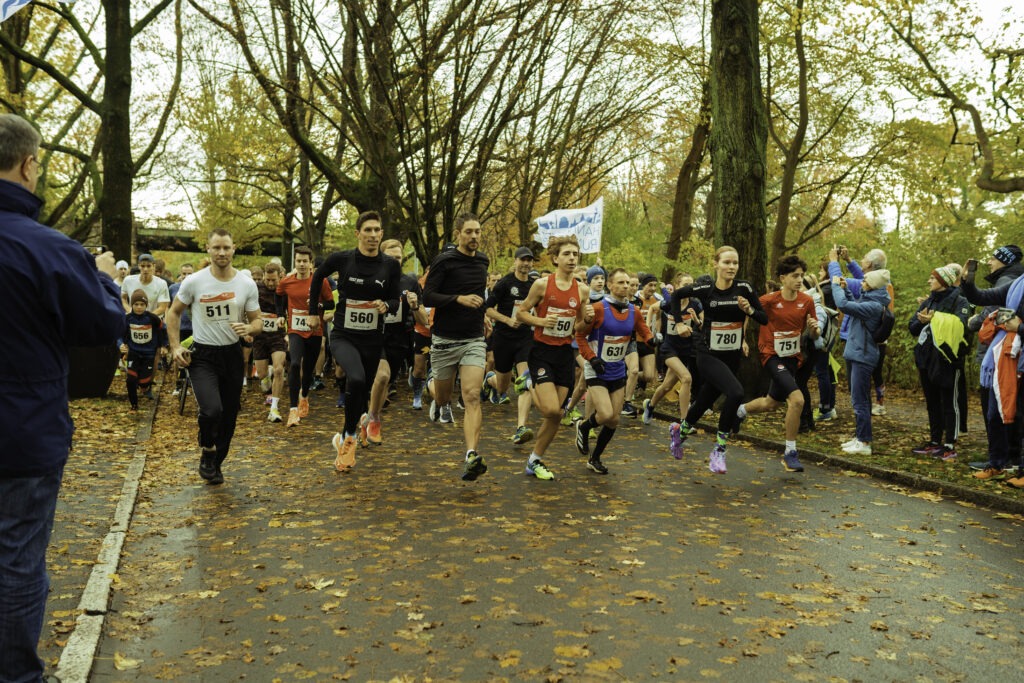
(597, 364)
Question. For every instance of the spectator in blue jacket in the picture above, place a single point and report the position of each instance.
(861, 351)
(875, 259)
(56, 294)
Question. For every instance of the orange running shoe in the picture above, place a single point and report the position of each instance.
(346, 450)
(303, 407)
(373, 432)
(293, 417)
(361, 434)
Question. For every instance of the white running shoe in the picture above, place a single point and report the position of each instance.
(858, 448)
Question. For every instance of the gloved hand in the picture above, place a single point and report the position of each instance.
(598, 365)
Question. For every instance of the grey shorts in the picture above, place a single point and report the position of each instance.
(447, 355)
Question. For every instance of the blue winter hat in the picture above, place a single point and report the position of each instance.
(594, 271)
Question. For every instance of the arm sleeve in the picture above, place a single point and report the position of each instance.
(326, 296)
(677, 296)
(995, 296)
(393, 296)
(855, 269)
(334, 262)
(758, 315)
(432, 297)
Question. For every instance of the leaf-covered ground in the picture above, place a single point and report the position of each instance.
(399, 570)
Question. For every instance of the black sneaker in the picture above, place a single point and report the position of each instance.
(596, 465)
(217, 478)
(208, 464)
(980, 465)
(474, 466)
(582, 439)
(317, 384)
(629, 410)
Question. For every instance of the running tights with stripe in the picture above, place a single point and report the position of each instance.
(718, 377)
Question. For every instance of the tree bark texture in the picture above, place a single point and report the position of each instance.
(687, 183)
(115, 111)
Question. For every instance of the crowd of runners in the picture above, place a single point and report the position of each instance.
(572, 346)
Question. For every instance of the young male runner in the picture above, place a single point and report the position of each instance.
(455, 289)
(790, 311)
(368, 289)
(270, 348)
(155, 287)
(304, 338)
(218, 298)
(560, 303)
(510, 339)
(144, 336)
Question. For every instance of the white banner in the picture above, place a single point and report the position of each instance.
(585, 223)
(9, 7)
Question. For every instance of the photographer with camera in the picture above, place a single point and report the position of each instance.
(1001, 330)
(940, 327)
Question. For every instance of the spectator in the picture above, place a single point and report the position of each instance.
(122, 272)
(939, 325)
(861, 351)
(56, 295)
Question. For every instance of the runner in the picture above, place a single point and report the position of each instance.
(790, 311)
(368, 289)
(304, 337)
(603, 343)
(596, 281)
(558, 301)
(677, 350)
(455, 288)
(511, 339)
(218, 299)
(645, 355)
(144, 336)
(155, 288)
(727, 303)
(398, 328)
(270, 348)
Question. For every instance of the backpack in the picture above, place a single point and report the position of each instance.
(881, 334)
(830, 333)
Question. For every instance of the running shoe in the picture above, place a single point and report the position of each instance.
(303, 407)
(947, 454)
(791, 462)
(648, 412)
(878, 409)
(346, 452)
(1016, 482)
(824, 415)
(373, 434)
(487, 392)
(716, 463)
(596, 465)
(629, 410)
(571, 416)
(979, 465)
(928, 448)
(522, 383)
(503, 399)
(274, 415)
(176, 392)
(392, 390)
(994, 473)
(293, 417)
(582, 439)
(539, 470)
(474, 466)
(269, 400)
(675, 440)
(317, 384)
(218, 476)
(738, 424)
(208, 463)
(458, 402)
(361, 436)
(417, 403)
(522, 435)
(848, 443)
(266, 384)
(434, 412)
(340, 403)
(446, 414)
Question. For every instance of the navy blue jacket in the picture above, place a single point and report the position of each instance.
(54, 297)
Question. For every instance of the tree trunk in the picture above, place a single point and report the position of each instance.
(739, 141)
(116, 201)
(686, 185)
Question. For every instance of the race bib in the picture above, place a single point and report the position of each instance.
(564, 324)
(300, 320)
(614, 348)
(142, 334)
(515, 308)
(361, 316)
(787, 344)
(670, 327)
(726, 336)
(219, 308)
(269, 323)
(396, 317)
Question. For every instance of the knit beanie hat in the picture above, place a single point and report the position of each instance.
(594, 271)
(945, 275)
(878, 279)
(1009, 254)
(647, 277)
(139, 295)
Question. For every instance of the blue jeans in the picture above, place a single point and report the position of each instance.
(27, 505)
(860, 396)
(826, 390)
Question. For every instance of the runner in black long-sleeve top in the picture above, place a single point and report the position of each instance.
(720, 348)
(368, 289)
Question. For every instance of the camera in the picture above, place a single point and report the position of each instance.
(96, 249)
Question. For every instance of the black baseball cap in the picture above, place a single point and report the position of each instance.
(524, 252)
(146, 257)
